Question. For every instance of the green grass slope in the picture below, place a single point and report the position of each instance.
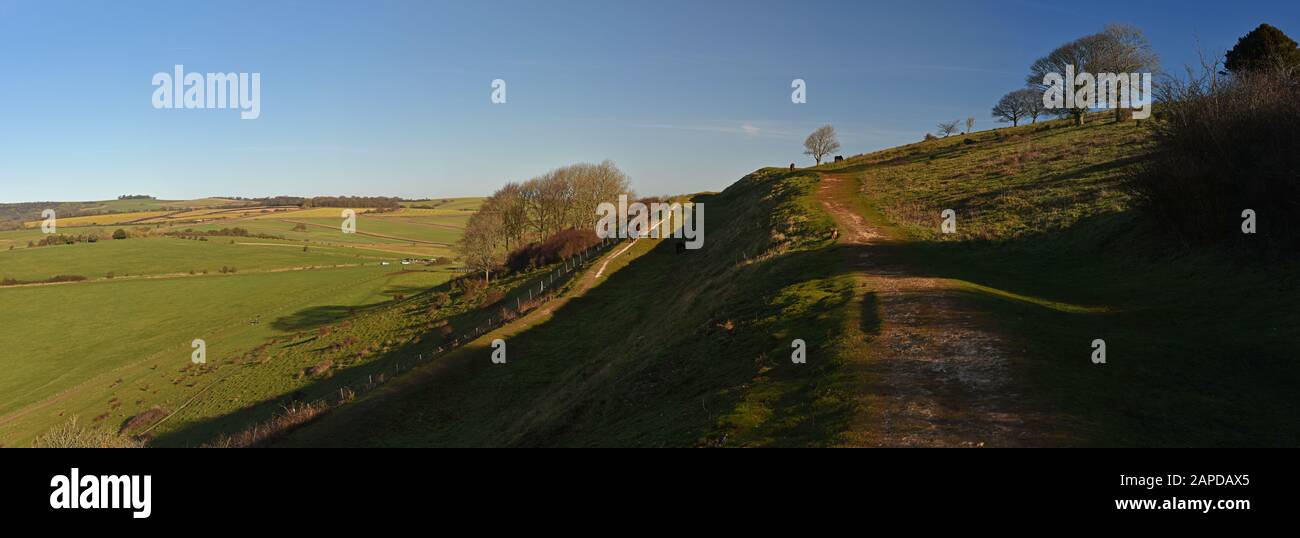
(694, 349)
(670, 349)
(1202, 341)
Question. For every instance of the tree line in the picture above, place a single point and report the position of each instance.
(380, 202)
(521, 214)
(1119, 48)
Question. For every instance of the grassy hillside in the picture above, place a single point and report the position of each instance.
(694, 349)
(670, 349)
(1202, 341)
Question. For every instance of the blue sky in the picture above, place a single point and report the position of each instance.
(393, 98)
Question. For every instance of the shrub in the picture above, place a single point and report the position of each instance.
(440, 299)
(290, 417)
(1223, 146)
(119, 234)
(145, 419)
(470, 285)
(492, 297)
(320, 368)
(72, 435)
(562, 245)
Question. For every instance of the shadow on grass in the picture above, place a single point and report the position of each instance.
(319, 316)
(1200, 343)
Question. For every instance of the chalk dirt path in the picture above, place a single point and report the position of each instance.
(935, 372)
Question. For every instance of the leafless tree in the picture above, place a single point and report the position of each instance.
(1032, 101)
(970, 124)
(821, 143)
(481, 244)
(1117, 49)
(1010, 109)
(522, 213)
(947, 128)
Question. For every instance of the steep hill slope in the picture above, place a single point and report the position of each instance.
(669, 349)
(982, 337)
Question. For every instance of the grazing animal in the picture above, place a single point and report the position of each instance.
(791, 167)
(839, 158)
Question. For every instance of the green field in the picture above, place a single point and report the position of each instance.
(119, 343)
(171, 256)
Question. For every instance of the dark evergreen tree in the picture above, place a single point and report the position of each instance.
(1263, 48)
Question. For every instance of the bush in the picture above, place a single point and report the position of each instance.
(71, 435)
(145, 419)
(492, 297)
(119, 234)
(290, 417)
(1222, 147)
(562, 245)
(440, 299)
(470, 285)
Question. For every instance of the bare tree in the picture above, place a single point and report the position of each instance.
(821, 143)
(1032, 101)
(508, 204)
(1010, 109)
(480, 245)
(970, 124)
(535, 210)
(947, 128)
(1117, 49)
(1126, 49)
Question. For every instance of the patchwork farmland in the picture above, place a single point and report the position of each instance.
(240, 277)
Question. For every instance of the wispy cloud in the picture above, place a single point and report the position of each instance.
(747, 128)
(784, 130)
